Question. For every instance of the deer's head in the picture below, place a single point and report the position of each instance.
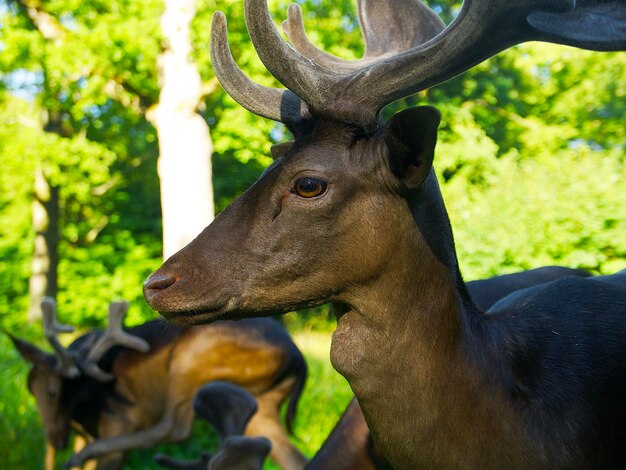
(329, 216)
(54, 379)
(45, 383)
(296, 238)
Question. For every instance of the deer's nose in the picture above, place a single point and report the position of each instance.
(157, 282)
(154, 289)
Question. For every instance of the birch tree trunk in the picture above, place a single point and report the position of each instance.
(45, 209)
(185, 144)
(43, 277)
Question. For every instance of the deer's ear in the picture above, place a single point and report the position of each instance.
(30, 352)
(411, 136)
(278, 150)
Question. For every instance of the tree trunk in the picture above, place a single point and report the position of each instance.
(185, 144)
(43, 278)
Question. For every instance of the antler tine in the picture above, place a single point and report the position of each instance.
(301, 75)
(413, 24)
(293, 27)
(587, 25)
(51, 327)
(114, 335)
(272, 103)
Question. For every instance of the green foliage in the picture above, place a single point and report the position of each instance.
(531, 158)
(81, 118)
(547, 210)
(15, 206)
(21, 435)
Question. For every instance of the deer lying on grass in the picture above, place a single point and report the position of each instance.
(128, 399)
(229, 409)
(352, 214)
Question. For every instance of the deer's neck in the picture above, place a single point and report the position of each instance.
(417, 354)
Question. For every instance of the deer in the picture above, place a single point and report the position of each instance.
(352, 214)
(349, 446)
(228, 408)
(131, 389)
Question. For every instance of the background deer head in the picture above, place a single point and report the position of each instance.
(53, 377)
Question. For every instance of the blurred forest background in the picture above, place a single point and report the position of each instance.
(531, 158)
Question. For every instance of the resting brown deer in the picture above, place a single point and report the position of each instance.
(352, 214)
(128, 399)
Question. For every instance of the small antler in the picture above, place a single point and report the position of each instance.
(66, 366)
(241, 453)
(114, 335)
(228, 408)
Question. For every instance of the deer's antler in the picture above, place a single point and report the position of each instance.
(114, 335)
(66, 366)
(228, 408)
(406, 51)
(272, 103)
(413, 24)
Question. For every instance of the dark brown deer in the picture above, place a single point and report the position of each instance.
(127, 398)
(352, 214)
(350, 445)
(228, 408)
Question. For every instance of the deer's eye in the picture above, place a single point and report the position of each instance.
(308, 187)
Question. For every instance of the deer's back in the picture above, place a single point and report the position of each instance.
(255, 354)
(486, 292)
(563, 350)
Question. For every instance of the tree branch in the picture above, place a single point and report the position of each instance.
(44, 22)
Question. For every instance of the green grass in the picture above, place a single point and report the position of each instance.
(22, 440)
